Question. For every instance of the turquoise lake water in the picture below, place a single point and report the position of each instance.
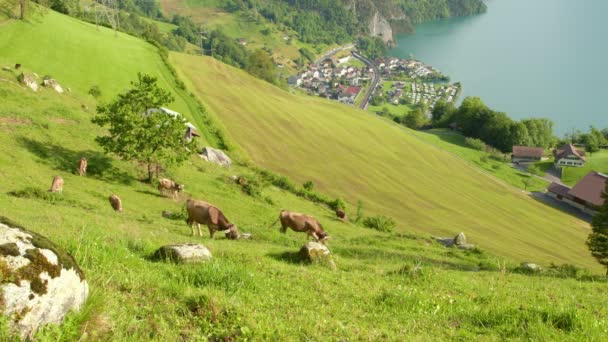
(528, 58)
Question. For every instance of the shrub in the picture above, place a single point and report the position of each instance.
(380, 223)
(359, 215)
(338, 203)
(309, 185)
(475, 144)
(95, 91)
(496, 167)
(483, 159)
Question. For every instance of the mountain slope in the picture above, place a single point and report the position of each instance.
(80, 56)
(347, 152)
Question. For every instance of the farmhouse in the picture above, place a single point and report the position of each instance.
(586, 195)
(568, 155)
(526, 154)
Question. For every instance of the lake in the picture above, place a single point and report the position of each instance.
(540, 58)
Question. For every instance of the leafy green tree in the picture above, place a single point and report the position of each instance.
(591, 142)
(540, 132)
(442, 113)
(416, 119)
(260, 64)
(598, 239)
(135, 133)
(519, 135)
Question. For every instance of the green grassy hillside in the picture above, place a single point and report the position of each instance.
(385, 287)
(80, 56)
(350, 153)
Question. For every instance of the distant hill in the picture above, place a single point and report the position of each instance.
(284, 27)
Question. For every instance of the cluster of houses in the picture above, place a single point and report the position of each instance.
(332, 81)
(566, 155)
(586, 195)
(391, 67)
(421, 93)
(429, 94)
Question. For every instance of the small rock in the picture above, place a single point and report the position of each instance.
(245, 236)
(183, 253)
(29, 81)
(43, 282)
(317, 252)
(167, 214)
(49, 82)
(460, 239)
(531, 267)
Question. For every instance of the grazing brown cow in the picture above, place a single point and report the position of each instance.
(166, 185)
(82, 167)
(302, 223)
(341, 215)
(57, 185)
(200, 212)
(116, 203)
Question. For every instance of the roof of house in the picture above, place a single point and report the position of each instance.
(352, 90)
(567, 150)
(590, 188)
(527, 151)
(559, 189)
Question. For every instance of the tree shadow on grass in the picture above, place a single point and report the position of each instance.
(60, 158)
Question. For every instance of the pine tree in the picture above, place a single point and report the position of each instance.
(598, 239)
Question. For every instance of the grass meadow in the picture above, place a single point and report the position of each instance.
(353, 154)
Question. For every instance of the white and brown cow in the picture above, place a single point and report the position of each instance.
(82, 167)
(168, 186)
(57, 185)
(200, 212)
(303, 224)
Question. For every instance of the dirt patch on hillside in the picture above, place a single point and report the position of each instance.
(62, 121)
(4, 121)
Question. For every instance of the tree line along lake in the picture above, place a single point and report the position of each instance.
(541, 58)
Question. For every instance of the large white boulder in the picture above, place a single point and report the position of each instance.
(41, 283)
(183, 253)
(213, 155)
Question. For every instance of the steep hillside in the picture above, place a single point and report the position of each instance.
(80, 56)
(350, 153)
(386, 286)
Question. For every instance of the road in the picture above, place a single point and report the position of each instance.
(374, 82)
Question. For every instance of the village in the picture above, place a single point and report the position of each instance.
(333, 78)
(403, 81)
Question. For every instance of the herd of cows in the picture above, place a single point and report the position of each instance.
(200, 212)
